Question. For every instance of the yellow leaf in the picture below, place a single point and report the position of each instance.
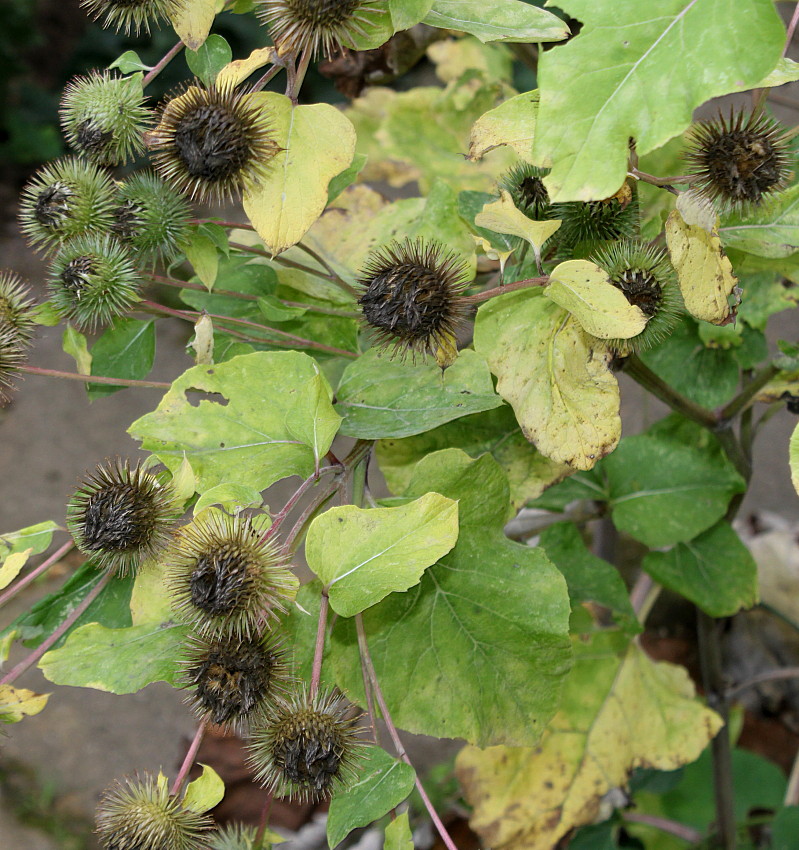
(192, 21)
(511, 123)
(203, 342)
(794, 458)
(617, 713)
(12, 565)
(318, 142)
(703, 270)
(237, 71)
(16, 703)
(554, 376)
(585, 290)
(502, 217)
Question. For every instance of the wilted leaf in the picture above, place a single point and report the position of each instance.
(769, 230)
(192, 21)
(16, 703)
(511, 123)
(237, 71)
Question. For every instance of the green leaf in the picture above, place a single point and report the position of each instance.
(125, 350)
(638, 70)
(407, 13)
(470, 205)
(45, 314)
(714, 570)
(764, 294)
(379, 397)
(785, 829)
(311, 418)
(398, 834)
(453, 57)
(619, 710)
(209, 59)
(376, 28)
(590, 579)
(602, 309)
(490, 617)
(119, 661)
(244, 436)
(37, 538)
(512, 123)
(363, 555)
(229, 496)
(708, 376)
(239, 275)
(501, 20)
(205, 792)
(129, 62)
(317, 143)
(558, 383)
(383, 783)
(670, 483)
(347, 177)
(275, 310)
(495, 431)
(768, 230)
(201, 252)
(74, 344)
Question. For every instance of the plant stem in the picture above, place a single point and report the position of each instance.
(319, 648)
(644, 595)
(334, 276)
(768, 676)
(643, 375)
(92, 379)
(502, 290)
(713, 681)
(792, 791)
(681, 830)
(745, 398)
(35, 573)
(70, 620)
(258, 843)
(188, 760)
(234, 225)
(268, 75)
(791, 29)
(283, 261)
(297, 79)
(280, 517)
(163, 62)
(366, 658)
(660, 182)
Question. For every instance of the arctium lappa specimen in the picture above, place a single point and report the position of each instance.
(132, 16)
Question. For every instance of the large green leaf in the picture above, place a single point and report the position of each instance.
(398, 834)
(491, 617)
(770, 230)
(495, 431)
(554, 376)
(380, 397)
(511, 123)
(670, 483)
(363, 555)
(590, 579)
(249, 435)
(714, 570)
(125, 350)
(639, 70)
(383, 783)
(500, 20)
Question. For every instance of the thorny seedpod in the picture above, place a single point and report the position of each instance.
(413, 298)
(211, 144)
(132, 16)
(65, 199)
(141, 815)
(103, 117)
(233, 836)
(587, 226)
(646, 277)
(12, 356)
(308, 747)
(318, 26)
(232, 680)
(16, 308)
(739, 161)
(525, 184)
(120, 516)
(150, 217)
(93, 280)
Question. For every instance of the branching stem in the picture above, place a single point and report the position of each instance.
(503, 290)
(92, 379)
(163, 62)
(747, 395)
(12, 591)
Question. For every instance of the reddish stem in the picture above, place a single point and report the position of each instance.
(34, 574)
(258, 843)
(189, 758)
(319, 648)
(167, 58)
(40, 650)
(280, 517)
(508, 287)
(93, 379)
(791, 29)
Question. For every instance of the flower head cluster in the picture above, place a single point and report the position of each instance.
(16, 329)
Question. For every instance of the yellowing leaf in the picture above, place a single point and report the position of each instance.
(511, 123)
(618, 712)
(15, 703)
(584, 290)
(565, 398)
(317, 142)
(192, 21)
(205, 792)
(11, 567)
(453, 57)
(502, 217)
(203, 342)
(703, 270)
(794, 458)
(237, 71)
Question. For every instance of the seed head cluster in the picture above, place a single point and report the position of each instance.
(16, 330)
(132, 16)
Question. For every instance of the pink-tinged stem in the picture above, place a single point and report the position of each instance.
(280, 517)
(188, 761)
(258, 843)
(791, 29)
(392, 731)
(93, 379)
(503, 290)
(319, 649)
(168, 57)
(34, 574)
(61, 630)
(687, 833)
